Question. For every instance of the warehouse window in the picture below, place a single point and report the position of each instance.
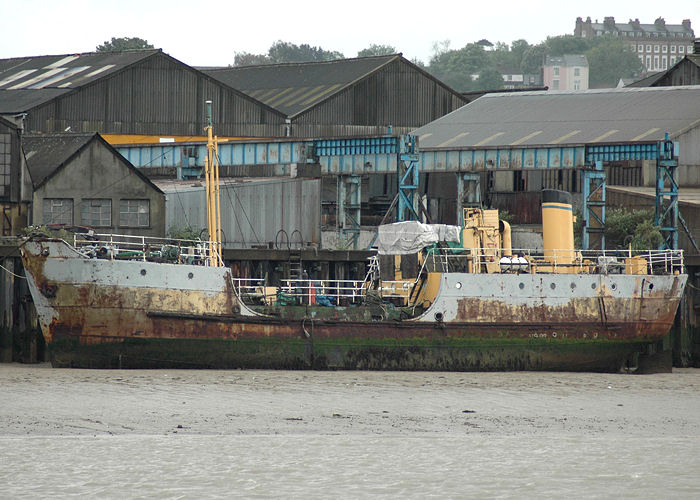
(5, 164)
(58, 211)
(96, 213)
(134, 213)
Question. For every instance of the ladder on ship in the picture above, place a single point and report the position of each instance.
(296, 267)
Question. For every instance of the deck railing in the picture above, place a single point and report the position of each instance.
(556, 261)
(145, 248)
(300, 291)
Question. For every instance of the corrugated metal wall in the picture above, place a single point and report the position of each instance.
(397, 95)
(156, 96)
(253, 213)
(687, 73)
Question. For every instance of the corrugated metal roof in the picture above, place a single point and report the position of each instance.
(612, 116)
(18, 101)
(293, 87)
(26, 82)
(45, 153)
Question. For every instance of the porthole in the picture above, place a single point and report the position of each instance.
(553, 286)
(573, 285)
(458, 285)
(143, 272)
(613, 286)
(651, 286)
(438, 317)
(593, 286)
(190, 275)
(521, 286)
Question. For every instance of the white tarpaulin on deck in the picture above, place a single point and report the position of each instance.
(409, 237)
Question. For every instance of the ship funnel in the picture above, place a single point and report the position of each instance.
(558, 227)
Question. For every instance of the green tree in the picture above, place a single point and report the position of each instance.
(285, 52)
(456, 67)
(377, 50)
(489, 79)
(567, 44)
(533, 59)
(609, 61)
(517, 49)
(123, 43)
(636, 227)
(248, 59)
(282, 52)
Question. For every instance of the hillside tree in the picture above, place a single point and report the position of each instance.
(123, 43)
(377, 50)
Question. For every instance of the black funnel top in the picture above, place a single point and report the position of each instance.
(556, 196)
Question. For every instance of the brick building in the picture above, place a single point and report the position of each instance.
(659, 46)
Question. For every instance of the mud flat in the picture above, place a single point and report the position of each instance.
(171, 433)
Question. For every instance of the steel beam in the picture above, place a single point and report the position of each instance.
(408, 179)
(349, 211)
(468, 193)
(593, 197)
(666, 212)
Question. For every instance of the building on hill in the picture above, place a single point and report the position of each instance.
(127, 96)
(514, 78)
(684, 72)
(79, 179)
(568, 72)
(658, 45)
(346, 97)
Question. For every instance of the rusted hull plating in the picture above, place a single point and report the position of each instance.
(141, 314)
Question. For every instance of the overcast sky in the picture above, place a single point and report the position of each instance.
(208, 33)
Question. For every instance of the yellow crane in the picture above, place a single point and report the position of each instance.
(211, 172)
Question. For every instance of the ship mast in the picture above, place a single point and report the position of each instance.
(211, 172)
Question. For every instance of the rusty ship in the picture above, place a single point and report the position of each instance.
(434, 298)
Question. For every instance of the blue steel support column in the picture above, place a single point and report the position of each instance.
(666, 215)
(408, 179)
(349, 210)
(468, 193)
(593, 207)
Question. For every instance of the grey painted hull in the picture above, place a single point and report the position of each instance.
(96, 312)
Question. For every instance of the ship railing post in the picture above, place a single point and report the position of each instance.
(111, 246)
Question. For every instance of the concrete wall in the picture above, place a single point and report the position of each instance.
(689, 158)
(98, 173)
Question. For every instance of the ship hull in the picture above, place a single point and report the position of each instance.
(130, 314)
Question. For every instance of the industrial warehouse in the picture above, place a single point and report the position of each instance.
(315, 156)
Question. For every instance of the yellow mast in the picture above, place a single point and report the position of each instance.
(211, 173)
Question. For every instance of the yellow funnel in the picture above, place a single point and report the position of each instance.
(558, 227)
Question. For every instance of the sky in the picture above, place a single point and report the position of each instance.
(209, 33)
